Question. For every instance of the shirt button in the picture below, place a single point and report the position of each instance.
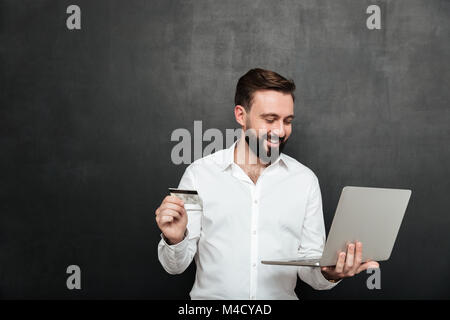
(252, 297)
(254, 232)
(254, 265)
(256, 201)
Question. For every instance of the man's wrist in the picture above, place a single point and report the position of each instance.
(328, 278)
(174, 241)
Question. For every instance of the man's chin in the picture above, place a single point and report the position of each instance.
(272, 152)
(274, 149)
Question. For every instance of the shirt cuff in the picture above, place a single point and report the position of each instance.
(326, 283)
(178, 246)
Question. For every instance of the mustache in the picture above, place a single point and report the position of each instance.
(275, 138)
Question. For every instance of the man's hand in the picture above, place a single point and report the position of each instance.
(171, 218)
(349, 264)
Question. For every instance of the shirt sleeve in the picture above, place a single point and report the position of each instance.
(176, 258)
(313, 240)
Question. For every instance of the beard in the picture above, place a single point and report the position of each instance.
(256, 145)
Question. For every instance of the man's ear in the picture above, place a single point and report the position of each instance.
(240, 114)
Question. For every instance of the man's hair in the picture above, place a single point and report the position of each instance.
(260, 79)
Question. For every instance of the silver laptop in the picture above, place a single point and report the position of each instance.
(369, 215)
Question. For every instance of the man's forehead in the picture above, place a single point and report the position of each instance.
(272, 96)
(270, 101)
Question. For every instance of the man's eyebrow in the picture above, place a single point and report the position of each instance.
(269, 115)
(263, 115)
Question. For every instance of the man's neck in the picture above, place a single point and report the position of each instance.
(248, 161)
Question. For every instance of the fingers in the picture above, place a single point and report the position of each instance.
(172, 213)
(350, 258)
(358, 255)
(165, 219)
(173, 199)
(368, 265)
(171, 206)
(349, 263)
(340, 263)
(166, 216)
(362, 268)
(357, 260)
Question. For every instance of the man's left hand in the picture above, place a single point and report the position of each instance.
(349, 263)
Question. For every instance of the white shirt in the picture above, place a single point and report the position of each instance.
(242, 223)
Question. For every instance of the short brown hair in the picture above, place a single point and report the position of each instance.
(260, 79)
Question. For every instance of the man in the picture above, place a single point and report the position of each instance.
(254, 208)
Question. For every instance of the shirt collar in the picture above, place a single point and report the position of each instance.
(227, 158)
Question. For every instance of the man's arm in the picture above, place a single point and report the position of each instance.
(313, 239)
(176, 254)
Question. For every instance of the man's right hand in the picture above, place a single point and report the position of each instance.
(172, 219)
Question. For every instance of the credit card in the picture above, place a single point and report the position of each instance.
(188, 196)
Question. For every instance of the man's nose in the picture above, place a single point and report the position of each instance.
(279, 130)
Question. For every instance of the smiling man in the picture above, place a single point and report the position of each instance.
(257, 203)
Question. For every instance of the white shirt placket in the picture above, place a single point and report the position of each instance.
(255, 192)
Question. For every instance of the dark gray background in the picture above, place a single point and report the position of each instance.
(86, 118)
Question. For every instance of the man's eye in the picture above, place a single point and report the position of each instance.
(288, 122)
(270, 120)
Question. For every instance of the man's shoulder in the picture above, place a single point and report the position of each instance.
(297, 167)
(215, 159)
